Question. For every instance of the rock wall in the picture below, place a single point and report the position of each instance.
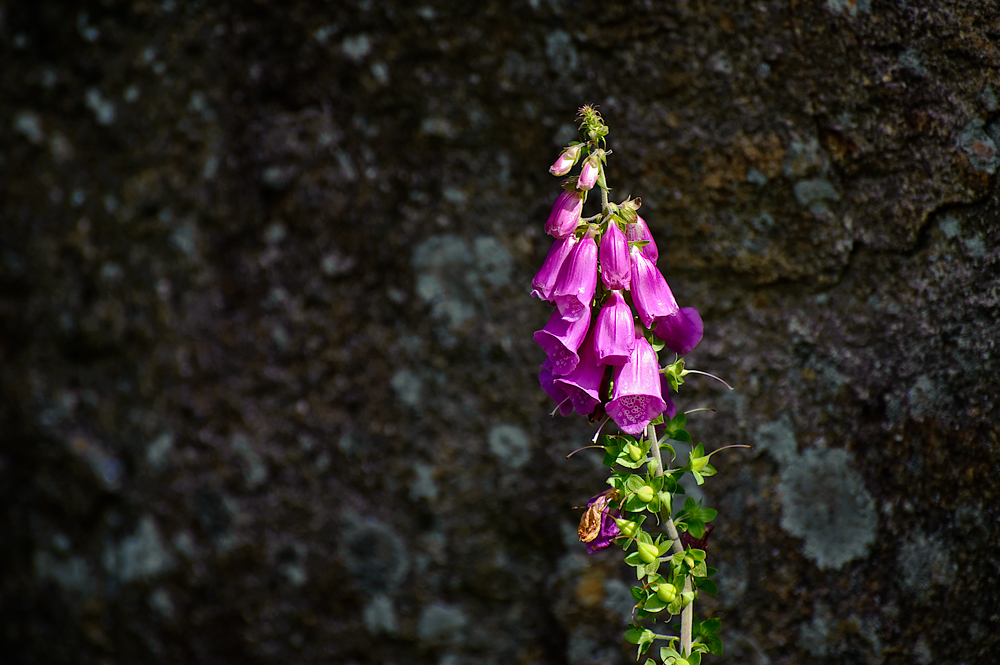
(268, 387)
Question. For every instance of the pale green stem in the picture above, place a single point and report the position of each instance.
(687, 614)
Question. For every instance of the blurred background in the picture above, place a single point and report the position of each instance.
(267, 386)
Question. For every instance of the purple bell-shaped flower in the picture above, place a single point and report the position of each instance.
(680, 331)
(574, 289)
(615, 265)
(583, 384)
(614, 338)
(561, 340)
(545, 280)
(638, 232)
(545, 378)
(650, 294)
(565, 215)
(637, 397)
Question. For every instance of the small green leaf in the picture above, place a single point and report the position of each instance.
(698, 570)
(637, 634)
(694, 658)
(681, 435)
(714, 645)
(637, 593)
(708, 514)
(697, 555)
(698, 477)
(696, 527)
(709, 626)
(706, 585)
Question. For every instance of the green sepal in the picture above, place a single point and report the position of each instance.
(669, 652)
(697, 555)
(638, 594)
(699, 570)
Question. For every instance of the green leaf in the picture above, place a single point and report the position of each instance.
(697, 555)
(698, 570)
(681, 435)
(708, 514)
(689, 504)
(706, 585)
(709, 626)
(637, 593)
(714, 645)
(694, 658)
(699, 451)
(698, 477)
(637, 634)
(696, 527)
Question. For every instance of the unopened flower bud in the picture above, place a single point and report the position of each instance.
(588, 173)
(565, 214)
(565, 161)
(648, 552)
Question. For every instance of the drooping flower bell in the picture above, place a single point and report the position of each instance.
(615, 265)
(637, 232)
(588, 173)
(614, 337)
(565, 161)
(565, 215)
(583, 384)
(574, 289)
(637, 398)
(561, 339)
(598, 527)
(545, 378)
(650, 294)
(545, 280)
(680, 331)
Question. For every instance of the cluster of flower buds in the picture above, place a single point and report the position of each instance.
(613, 308)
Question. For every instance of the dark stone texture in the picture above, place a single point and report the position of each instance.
(267, 385)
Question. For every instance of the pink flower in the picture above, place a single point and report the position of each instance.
(650, 294)
(615, 265)
(588, 174)
(561, 339)
(680, 331)
(555, 392)
(638, 232)
(615, 333)
(583, 384)
(565, 161)
(565, 215)
(546, 278)
(574, 289)
(637, 397)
